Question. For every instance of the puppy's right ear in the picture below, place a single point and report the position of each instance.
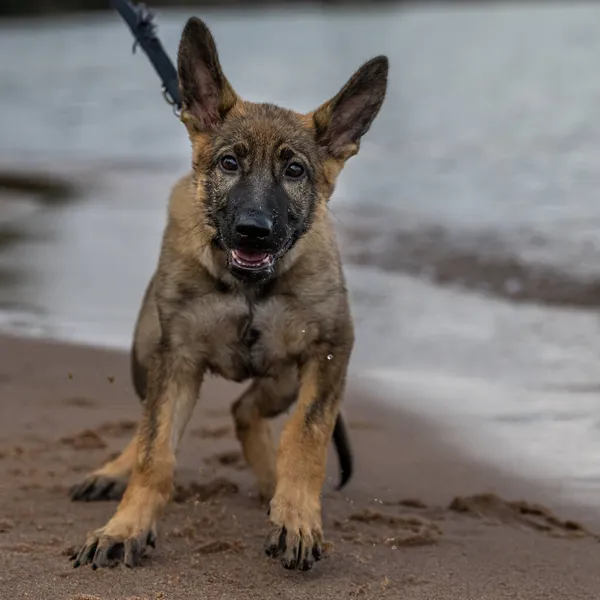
(206, 94)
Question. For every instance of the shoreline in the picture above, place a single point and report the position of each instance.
(420, 518)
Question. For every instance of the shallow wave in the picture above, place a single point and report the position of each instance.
(485, 261)
(528, 432)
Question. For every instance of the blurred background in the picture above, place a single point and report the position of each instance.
(469, 222)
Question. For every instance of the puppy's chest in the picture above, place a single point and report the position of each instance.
(257, 340)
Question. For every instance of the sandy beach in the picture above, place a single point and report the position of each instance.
(418, 521)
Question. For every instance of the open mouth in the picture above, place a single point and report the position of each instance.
(245, 259)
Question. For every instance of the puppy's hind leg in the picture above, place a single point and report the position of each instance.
(264, 399)
(109, 481)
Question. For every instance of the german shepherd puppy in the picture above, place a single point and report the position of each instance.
(249, 285)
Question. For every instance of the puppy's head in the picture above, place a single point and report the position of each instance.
(263, 172)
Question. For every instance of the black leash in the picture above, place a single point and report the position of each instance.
(141, 22)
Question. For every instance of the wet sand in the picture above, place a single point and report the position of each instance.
(419, 520)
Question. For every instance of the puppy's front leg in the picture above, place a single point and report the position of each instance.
(295, 511)
(172, 392)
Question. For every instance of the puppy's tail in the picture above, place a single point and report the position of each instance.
(344, 452)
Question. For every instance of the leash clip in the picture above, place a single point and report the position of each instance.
(169, 100)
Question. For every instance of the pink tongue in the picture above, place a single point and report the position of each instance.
(251, 256)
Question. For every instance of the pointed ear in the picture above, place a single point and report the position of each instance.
(341, 122)
(206, 94)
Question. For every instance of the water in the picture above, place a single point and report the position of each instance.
(486, 153)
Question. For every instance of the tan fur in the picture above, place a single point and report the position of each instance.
(121, 466)
(292, 335)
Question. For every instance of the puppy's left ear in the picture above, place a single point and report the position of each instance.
(341, 122)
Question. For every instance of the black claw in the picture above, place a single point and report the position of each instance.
(305, 556)
(130, 556)
(78, 491)
(100, 558)
(135, 550)
(317, 552)
(306, 565)
(85, 555)
(93, 492)
(290, 557)
(87, 491)
(109, 555)
(275, 543)
(151, 541)
(100, 491)
(97, 488)
(271, 550)
(295, 551)
(282, 541)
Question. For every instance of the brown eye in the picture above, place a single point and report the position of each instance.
(294, 170)
(229, 163)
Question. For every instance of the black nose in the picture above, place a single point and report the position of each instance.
(255, 226)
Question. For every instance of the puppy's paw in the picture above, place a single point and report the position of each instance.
(297, 550)
(96, 487)
(118, 542)
(296, 536)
